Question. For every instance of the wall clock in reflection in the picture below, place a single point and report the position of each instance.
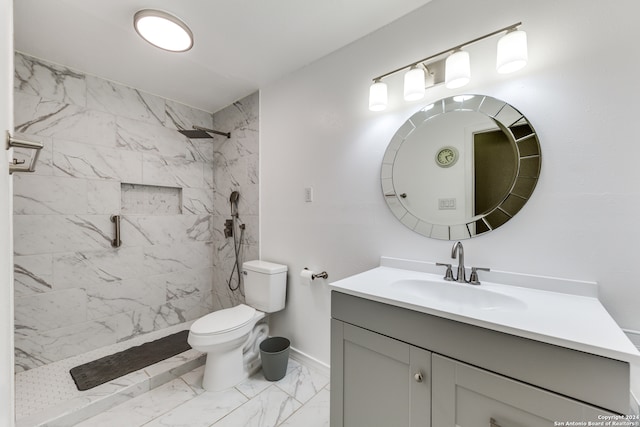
(446, 157)
(497, 161)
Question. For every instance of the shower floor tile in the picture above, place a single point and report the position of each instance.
(48, 394)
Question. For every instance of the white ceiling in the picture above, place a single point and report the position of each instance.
(240, 45)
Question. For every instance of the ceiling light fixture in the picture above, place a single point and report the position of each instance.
(454, 70)
(163, 30)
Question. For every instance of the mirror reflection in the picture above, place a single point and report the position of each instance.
(461, 167)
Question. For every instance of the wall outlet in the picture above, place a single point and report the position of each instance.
(447, 204)
(308, 194)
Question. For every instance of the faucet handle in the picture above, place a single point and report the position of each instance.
(449, 274)
(473, 280)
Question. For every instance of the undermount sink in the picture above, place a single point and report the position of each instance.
(457, 294)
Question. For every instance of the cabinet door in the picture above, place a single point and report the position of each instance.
(378, 381)
(465, 396)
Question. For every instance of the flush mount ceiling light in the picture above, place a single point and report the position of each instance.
(454, 70)
(163, 30)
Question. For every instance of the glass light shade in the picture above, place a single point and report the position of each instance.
(414, 84)
(163, 30)
(512, 52)
(378, 96)
(462, 98)
(457, 71)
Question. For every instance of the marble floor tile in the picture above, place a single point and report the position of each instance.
(268, 409)
(314, 413)
(303, 383)
(201, 411)
(144, 408)
(194, 379)
(254, 385)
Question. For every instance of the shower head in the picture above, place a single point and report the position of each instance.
(200, 132)
(195, 134)
(233, 201)
(234, 197)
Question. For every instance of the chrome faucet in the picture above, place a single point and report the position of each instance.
(459, 251)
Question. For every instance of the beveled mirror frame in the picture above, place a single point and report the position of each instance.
(521, 135)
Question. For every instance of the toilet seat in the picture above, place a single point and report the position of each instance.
(223, 321)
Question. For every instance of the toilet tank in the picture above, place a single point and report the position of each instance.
(265, 285)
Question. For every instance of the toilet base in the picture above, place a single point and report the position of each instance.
(228, 368)
(223, 370)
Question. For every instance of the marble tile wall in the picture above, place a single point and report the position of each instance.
(73, 291)
(235, 168)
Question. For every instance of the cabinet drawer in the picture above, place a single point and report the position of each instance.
(466, 396)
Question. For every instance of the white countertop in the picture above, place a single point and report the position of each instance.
(575, 320)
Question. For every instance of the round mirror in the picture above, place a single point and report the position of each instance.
(461, 167)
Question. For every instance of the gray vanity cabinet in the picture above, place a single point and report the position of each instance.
(391, 366)
(464, 395)
(385, 382)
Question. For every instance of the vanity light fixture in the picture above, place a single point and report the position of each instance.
(163, 30)
(414, 87)
(454, 69)
(457, 69)
(378, 96)
(512, 52)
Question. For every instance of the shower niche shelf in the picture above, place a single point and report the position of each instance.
(138, 199)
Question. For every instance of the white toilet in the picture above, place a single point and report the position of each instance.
(231, 337)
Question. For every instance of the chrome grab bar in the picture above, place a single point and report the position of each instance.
(17, 166)
(116, 242)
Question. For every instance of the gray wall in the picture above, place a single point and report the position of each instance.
(73, 291)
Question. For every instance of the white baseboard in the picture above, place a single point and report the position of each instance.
(309, 361)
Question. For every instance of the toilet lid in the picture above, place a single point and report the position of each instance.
(223, 320)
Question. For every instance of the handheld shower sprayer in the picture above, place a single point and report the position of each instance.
(230, 227)
(233, 200)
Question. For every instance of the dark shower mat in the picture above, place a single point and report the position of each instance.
(107, 368)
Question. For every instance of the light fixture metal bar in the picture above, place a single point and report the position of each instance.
(460, 46)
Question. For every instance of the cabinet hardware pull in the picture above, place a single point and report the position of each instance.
(493, 423)
(418, 377)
